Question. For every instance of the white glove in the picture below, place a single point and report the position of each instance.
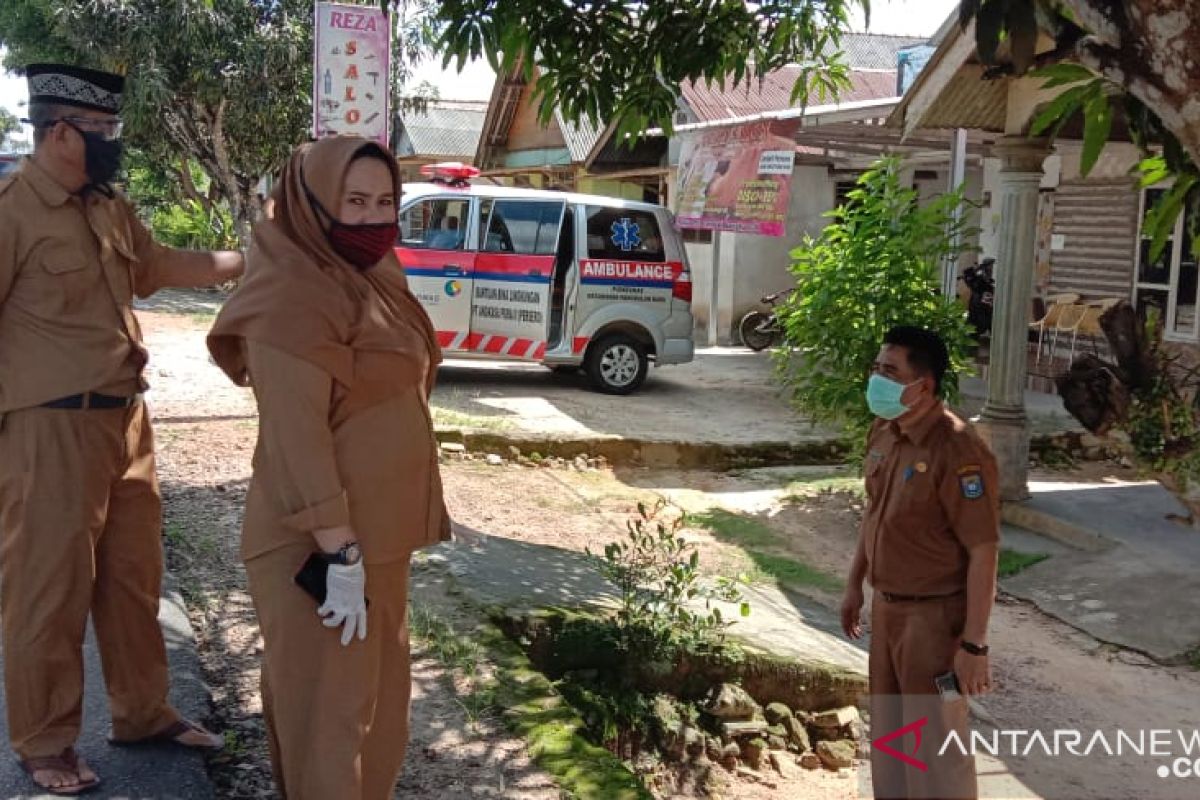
(345, 601)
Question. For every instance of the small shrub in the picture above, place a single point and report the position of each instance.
(657, 575)
(877, 264)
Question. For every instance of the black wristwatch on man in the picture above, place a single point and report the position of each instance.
(974, 649)
(347, 555)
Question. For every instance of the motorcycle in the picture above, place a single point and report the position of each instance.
(762, 329)
(982, 285)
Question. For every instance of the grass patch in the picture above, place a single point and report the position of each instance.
(530, 707)
(790, 572)
(449, 418)
(1012, 562)
(834, 484)
(1192, 658)
(735, 528)
(203, 319)
(752, 535)
(447, 645)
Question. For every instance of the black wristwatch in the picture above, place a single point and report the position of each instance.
(347, 555)
(974, 649)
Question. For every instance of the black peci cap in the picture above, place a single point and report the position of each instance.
(63, 85)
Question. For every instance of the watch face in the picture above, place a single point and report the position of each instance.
(351, 554)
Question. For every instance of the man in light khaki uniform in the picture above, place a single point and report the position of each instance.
(80, 512)
(928, 547)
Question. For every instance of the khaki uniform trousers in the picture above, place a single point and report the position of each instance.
(911, 644)
(337, 717)
(80, 531)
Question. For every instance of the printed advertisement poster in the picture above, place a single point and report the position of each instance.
(738, 178)
(350, 71)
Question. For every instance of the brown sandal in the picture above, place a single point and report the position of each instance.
(67, 761)
(171, 734)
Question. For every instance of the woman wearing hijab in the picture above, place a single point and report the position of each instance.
(341, 357)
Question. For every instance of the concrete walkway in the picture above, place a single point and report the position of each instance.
(518, 576)
(1139, 588)
(141, 773)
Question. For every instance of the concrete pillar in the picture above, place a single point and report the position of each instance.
(1003, 423)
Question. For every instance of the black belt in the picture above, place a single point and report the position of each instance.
(91, 400)
(915, 598)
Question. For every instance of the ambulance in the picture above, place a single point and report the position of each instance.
(570, 281)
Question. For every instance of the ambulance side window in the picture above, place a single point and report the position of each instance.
(435, 224)
(623, 234)
(523, 227)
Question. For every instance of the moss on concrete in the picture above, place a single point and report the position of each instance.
(554, 730)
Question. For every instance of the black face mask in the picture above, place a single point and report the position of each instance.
(102, 157)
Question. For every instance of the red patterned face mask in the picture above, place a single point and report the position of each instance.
(364, 246)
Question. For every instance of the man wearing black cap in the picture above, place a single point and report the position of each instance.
(80, 512)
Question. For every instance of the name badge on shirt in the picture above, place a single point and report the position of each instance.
(970, 481)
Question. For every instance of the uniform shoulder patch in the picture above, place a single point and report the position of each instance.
(971, 483)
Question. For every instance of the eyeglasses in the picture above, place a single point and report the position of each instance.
(109, 129)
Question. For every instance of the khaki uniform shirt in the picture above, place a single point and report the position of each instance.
(323, 460)
(933, 494)
(69, 268)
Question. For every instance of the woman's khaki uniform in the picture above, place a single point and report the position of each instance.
(341, 362)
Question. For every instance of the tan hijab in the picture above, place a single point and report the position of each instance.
(366, 329)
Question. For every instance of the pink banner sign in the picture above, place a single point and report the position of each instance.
(351, 58)
(737, 178)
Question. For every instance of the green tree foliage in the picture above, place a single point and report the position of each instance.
(182, 210)
(876, 265)
(226, 83)
(222, 82)
(9, 124)
(624, 62)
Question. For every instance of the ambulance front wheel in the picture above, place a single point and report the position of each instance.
(617, 364)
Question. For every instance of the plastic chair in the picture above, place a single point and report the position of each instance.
(1070, 320)
(1055, 303)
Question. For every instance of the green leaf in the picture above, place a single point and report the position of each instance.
(745, 609)
(1061, 108)
(1153, 170)
(1062, 74)
(1097, 126)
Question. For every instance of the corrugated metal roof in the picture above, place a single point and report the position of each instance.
(581, 136)
(774, 93)
(445, 129)
(875, 51)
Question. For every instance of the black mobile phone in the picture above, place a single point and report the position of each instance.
(947, 686)
(312, 577)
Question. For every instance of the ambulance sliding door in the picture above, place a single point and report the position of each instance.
(435, 249)
(513, 271)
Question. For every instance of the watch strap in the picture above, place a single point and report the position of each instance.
(342, 556)
(975, 649)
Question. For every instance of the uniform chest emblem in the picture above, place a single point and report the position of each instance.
(970, 481)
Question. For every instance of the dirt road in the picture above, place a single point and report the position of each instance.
(768, 526)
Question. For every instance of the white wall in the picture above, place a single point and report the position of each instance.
(752, 266)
